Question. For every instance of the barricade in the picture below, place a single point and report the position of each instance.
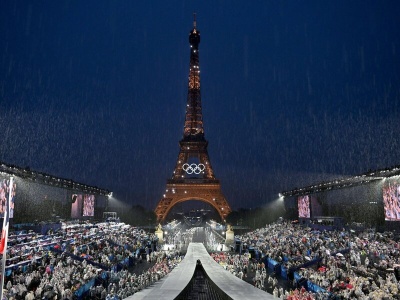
(303, 282)
(23, 264)
(103, 267)
(312, 287)
(306, 265)
(296, 276)
(284, 272)
(273, 265)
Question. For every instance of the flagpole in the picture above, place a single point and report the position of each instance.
(5, 232)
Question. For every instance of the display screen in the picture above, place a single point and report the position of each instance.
(88, 205)
(82, 205)
(391, 201)
(4, 194)
(303, 203)
(76, 207)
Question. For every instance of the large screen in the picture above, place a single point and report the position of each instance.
(4, 194)
(88, 205)
(82, 205)
(303, 203)
(391, 201)
(76, 207)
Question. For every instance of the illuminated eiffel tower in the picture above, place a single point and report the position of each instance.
(193, 177)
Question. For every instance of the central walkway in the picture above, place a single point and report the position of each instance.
(199, 235)
(172, 285)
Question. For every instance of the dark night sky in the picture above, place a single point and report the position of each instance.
(293, 92)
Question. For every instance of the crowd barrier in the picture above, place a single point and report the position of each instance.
(255, 253)
(127, 262)
(42, 228)
(103, 267)
(306, 264)
(22, 264)
(307, 284)
(312, 287)
(84, 289)
(20, 235)
(272, 265)
(82, 292)
(284, 272)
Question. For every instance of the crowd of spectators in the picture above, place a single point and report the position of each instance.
(84, 261)
(103, 257)
(344, 263)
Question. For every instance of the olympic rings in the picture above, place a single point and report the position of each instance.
(193, 168)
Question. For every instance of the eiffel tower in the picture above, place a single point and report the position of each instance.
(193, 177)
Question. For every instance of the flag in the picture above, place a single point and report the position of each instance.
(3, 239)
(6, 220)
(4, 235)
(4, 231)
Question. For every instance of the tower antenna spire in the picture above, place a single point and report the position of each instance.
(194, 20)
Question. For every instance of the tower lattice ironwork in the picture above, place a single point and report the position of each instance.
(193, 177)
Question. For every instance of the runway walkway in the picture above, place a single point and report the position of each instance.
(199, 236)
(171, 286)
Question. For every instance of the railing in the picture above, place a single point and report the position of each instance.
(193, 180)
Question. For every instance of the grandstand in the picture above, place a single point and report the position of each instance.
(300, 258)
